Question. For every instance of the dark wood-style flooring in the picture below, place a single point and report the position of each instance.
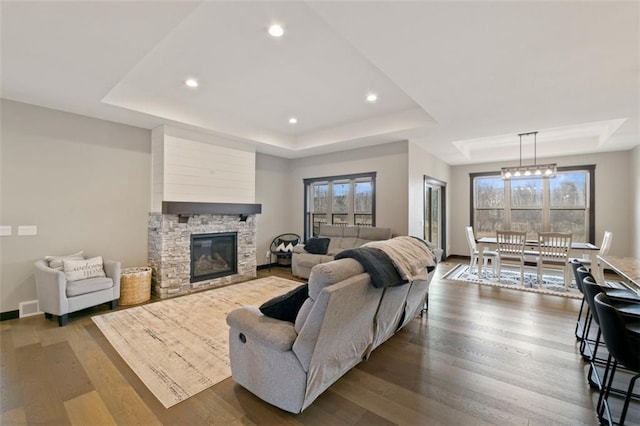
(481, 355)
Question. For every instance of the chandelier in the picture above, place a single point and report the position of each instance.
(535, 170)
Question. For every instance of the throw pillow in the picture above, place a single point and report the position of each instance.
(280, 247)
(55, 262)
(317, 245)
(75, 270)
(286, 306)
(293, 241)
(289, 248)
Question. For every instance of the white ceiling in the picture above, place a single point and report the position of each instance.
(461, 79)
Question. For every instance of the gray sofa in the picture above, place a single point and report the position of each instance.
(344, 318)
(342, 238)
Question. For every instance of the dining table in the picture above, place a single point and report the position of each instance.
(585, 249)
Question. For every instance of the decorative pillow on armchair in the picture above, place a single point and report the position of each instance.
(317, 245)
(75, 270)
(55, 262)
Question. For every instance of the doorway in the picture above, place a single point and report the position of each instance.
(435, 218)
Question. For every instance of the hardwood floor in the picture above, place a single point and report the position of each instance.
(481, 355)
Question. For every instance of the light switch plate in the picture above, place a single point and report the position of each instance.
(5, 231)
(27, 230)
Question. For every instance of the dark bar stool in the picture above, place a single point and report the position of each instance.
(622, 339)
(575, 264)
(631, 310)
(615, 294)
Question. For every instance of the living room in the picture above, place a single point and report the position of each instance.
(81, 170)
(67, 150)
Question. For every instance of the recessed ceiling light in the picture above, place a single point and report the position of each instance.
(293, 120)
(276, 30)
(191, 82)
(372, 97)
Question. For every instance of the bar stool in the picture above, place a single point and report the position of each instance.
(624, 350)
(575, 264)
(615, 294)
(631, 310)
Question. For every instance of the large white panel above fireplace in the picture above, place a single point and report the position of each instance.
(191, 170)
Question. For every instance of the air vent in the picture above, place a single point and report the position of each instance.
(29, 308)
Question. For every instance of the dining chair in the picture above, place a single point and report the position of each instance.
(511, 249)
(553, 250)
(487, 255)
(594, 265)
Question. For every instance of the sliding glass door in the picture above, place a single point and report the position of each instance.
(434, 211)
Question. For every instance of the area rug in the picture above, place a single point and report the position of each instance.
(179, 347)
(552, 282)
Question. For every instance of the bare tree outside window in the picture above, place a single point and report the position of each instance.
(320, 197)
(560, 204)
(489, 205)
(363, 197)
(568, 204)
(526, 193)
(339, 200)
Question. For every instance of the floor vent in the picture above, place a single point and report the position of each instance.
(29, 308)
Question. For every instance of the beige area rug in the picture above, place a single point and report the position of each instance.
(179, 347)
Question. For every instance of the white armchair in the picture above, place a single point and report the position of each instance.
(59, 297)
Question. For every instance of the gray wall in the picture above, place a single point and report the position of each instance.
(85, 183)
(388, 160)
(613, 193)
(273, 191)
(422, 164)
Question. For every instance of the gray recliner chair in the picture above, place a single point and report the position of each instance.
(58, 297)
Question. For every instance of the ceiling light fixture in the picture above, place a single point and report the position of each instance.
(536, 170)
(372, 97)
(191, 82)
(276, 30)
(293, 120)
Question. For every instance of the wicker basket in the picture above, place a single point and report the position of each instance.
(135, 285)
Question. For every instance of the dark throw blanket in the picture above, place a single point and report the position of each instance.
(376, 263)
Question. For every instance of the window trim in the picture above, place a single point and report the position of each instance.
(590, 169)
(307, 182)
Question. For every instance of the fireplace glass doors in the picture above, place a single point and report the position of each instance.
(213, 255)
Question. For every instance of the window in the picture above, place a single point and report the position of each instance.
(560, 204)
(339, 200)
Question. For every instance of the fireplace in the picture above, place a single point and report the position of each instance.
(170, 253)
(213, 255)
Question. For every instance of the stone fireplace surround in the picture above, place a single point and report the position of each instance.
(169, 240)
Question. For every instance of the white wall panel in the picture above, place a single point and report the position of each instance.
(200, 171)
(157, 169)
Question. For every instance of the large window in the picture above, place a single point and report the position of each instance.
(560, 204)
(339, 200)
